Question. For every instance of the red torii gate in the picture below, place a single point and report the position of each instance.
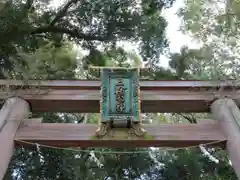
(83, 96)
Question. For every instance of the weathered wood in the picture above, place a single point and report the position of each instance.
(156, 96)
(86, 84)
(161, 100)
(32, 120)
(228, 113)
(82, 135)
(11, 113)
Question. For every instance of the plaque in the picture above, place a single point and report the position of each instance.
(120, 100)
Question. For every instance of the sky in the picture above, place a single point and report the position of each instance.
(176, 38)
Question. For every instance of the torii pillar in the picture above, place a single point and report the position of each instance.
(13, 110)
(228, 113)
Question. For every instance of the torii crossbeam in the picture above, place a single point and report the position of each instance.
(219, 98)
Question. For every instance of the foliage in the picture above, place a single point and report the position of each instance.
(46, 62)
(209, 23)
(195, 166)
(27, 25)
(36, 43)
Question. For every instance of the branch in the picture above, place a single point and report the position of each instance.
(26, 8)
(29, 4)
(190, 119)
(63, 11)
(106, 177)
(73, 33)
(85, 117)
(86, 156)
(95, 159)
(81, 120)
(206, 153)
(78, 117)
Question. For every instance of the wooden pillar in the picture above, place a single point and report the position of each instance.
(13, 110)
(228, 113)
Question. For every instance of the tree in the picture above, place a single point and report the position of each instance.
(26, 25)
(52, 62)
(44, 163)
(31, 31)
(208, 22)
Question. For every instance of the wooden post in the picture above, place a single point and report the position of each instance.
(228, 113)
(13, 110)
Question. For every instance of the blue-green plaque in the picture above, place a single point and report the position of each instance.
(120, 100)
(120, 97)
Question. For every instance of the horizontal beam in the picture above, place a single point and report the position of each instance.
(82, 135)
(93, 84)
(87, 101)
(157, 96)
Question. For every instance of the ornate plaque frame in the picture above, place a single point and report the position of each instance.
(120, 103)
(127, 80)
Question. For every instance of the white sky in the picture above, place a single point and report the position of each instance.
(176, 38)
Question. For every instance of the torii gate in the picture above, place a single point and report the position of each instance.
(156, 96)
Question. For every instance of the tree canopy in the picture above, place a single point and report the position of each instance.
(39, 41)
(26, 25)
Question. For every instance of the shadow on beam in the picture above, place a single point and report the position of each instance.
(82, 135)
(156, 96)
